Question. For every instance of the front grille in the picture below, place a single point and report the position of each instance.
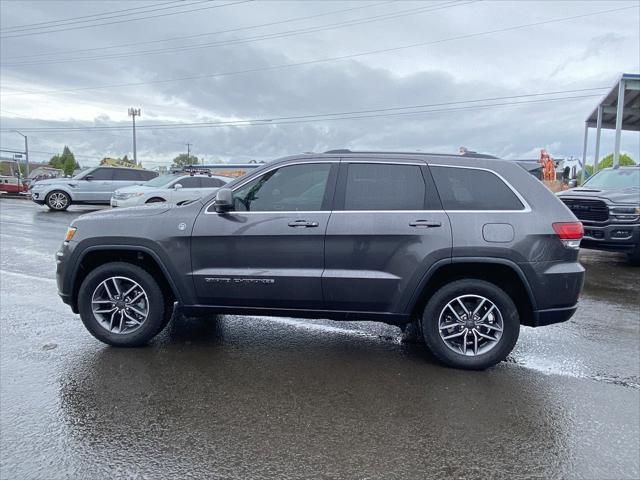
(589, 210)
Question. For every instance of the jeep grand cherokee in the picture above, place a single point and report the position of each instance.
(469, 249)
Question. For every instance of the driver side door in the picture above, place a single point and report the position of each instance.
(269, 251)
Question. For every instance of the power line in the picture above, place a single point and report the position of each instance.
(268, 36)
(355, 114)
(41, 24)
(199, 35)
(78, 27)
(316, 61)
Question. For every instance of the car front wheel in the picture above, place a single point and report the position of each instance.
(122, 305)
(58, 200)
(470, 324)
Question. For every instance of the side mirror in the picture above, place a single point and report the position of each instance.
(89, 177)
(177, 186)
(224, 200)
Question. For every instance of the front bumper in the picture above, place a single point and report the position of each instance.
(37, 197)
(619, 237)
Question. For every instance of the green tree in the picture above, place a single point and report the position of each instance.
(607, 162)
(65, 162)
(184, 160)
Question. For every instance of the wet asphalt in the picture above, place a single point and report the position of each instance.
(256, 397)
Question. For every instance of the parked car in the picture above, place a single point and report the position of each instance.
(91, 186)
(173, 188)
(467, 249)
(608, 204)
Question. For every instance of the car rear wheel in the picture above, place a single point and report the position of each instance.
(122, 305)
(470, 324)
(58, 200)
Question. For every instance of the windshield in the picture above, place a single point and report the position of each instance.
(83, 173)
(161, 181)
(615, 179)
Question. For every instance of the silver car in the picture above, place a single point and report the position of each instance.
(92, 186)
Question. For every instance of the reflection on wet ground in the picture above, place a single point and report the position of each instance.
(256, 397)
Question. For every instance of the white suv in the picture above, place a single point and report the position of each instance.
(172, 188)
(93, 186)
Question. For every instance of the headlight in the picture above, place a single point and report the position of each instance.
(37, 186)
(624, 212)
(125, 196)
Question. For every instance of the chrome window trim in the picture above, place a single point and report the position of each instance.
(526, 209)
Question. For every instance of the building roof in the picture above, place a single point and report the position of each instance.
(631, 109)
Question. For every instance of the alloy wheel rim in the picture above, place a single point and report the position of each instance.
(120, 305)
(58, 200)
(470, 325)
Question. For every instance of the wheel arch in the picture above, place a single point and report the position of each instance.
(58, 188)
(144, 257)
(155, 198)
(501, 272)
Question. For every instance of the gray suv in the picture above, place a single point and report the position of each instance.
(91, 186)
(464, 249)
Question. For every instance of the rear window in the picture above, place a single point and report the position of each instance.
(471, 189)
(372, 186)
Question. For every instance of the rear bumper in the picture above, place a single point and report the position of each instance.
(556, 287)
(552, 315)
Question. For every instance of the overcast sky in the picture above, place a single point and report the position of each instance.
(456, 61)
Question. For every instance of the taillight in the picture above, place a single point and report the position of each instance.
(570, 233)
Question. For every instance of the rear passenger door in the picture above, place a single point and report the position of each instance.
(386, 230)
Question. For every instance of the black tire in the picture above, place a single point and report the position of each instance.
(158, 313)
(57, 200)
(480, 361)
(634, 257)
(155, 200)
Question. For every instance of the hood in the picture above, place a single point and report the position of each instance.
(58, 181)
(146, 210)
(135, 188)
(622, 195)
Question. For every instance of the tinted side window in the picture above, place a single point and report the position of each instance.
(126, 175)
(102, 174)
(147, 175)
(189, 182)
(208, 182)
(373, 186)
(292, 188)
(470, 189)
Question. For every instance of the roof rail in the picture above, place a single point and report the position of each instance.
(468, 154)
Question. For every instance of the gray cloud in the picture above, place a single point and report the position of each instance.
(583, 53)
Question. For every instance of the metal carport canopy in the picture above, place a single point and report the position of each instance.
(618, 110)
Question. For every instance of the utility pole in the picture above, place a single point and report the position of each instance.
(26, 149)
(188, 152)
(133, 112)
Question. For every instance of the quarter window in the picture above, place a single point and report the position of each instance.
(372, 186)
(473, 189)
(290, 188)
(210, 182)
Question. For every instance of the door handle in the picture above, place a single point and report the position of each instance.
(303, 224)
(425, 223)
